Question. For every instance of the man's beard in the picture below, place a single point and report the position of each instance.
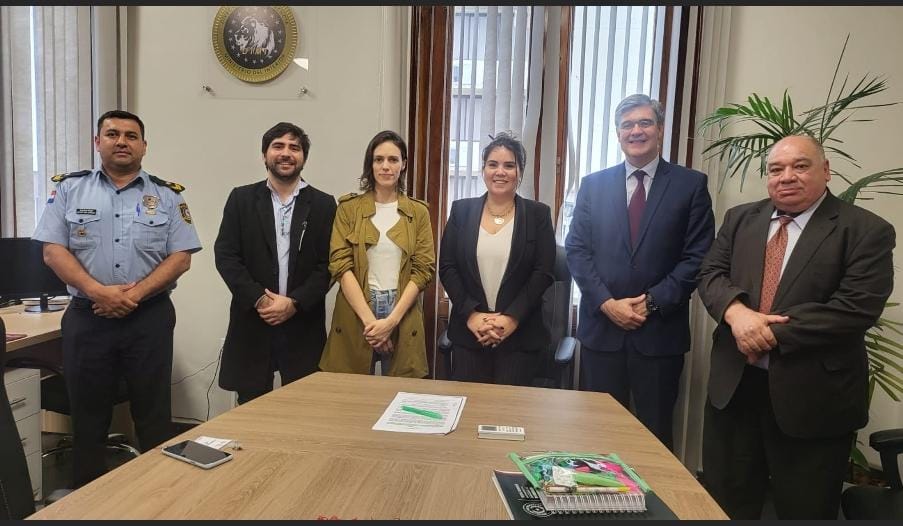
(272, 168)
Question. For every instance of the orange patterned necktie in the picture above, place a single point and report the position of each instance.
(774, 258)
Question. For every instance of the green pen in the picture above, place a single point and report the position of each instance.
(421, 412)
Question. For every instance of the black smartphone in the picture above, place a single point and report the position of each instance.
(198, 454)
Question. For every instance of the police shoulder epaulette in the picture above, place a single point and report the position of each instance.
(175, 187)
(348, 197)
(61, 177)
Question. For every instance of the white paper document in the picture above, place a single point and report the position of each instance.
(215, 443)
(421, 413)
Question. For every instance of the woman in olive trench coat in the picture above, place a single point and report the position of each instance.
(357, 339)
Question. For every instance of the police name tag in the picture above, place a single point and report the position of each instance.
(86, 211)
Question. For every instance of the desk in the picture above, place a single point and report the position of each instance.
(308, 451)
(44, 342)
(41, 328)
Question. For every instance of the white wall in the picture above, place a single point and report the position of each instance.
(796, 48)
(211, 143)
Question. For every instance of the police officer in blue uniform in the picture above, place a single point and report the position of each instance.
(119, 237)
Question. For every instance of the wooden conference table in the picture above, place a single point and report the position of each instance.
(308, 452)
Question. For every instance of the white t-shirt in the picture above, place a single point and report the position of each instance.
(492, 260)
(384, 258)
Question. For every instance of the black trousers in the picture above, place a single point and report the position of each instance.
(491, 366)
(652, 380)
(744, 450)
(289, 367)
(100, 352)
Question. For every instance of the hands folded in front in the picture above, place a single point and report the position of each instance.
(626, 313)
(378, 334)
(114, 301)
(491, 328)
(275, 308)
(752, 330)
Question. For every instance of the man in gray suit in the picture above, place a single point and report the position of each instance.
(794, 282)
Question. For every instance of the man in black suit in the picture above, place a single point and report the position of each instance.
(273, 253)
(794, 282)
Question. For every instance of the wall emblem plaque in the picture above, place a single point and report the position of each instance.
(255, 43)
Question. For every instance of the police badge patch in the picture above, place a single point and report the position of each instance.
(186, 215)
(255, 43)
(150, 203)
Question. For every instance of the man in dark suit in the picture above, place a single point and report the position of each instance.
(635, 261)
(788, 381)
(273, 253)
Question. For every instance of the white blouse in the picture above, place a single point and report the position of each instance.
(384, 258)
(492, 259)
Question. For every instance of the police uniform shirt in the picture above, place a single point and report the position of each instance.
(118, 235)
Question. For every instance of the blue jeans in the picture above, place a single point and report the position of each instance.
(382, 302)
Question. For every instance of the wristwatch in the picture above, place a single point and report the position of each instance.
(651, 306)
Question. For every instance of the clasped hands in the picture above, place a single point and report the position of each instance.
(378, 334)
(627, 313)
(491, 328)
(274, 308)
(114, 301)
(752, 330)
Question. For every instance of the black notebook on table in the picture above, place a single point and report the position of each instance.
(523, 503)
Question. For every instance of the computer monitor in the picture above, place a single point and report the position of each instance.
(23, 274)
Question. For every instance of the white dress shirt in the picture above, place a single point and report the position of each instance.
(647, 181)
(794, 231)
(282, 213)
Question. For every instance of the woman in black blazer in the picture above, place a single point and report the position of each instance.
(495, 261)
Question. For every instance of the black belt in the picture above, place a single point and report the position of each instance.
(79, 302)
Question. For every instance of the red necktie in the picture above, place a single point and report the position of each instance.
(636, 207)
(774, 258)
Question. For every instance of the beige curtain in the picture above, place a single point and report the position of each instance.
(45, 84)
(710, 93)
(491, 90)
(611, 57)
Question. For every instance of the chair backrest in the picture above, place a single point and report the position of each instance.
(556, 315)
(16, 498)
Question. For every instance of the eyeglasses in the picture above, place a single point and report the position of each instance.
(644, 124)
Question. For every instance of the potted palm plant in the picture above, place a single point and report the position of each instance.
(769, 123)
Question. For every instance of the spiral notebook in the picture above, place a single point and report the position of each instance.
(522, 501)
(579, 483)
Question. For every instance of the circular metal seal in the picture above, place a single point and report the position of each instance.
(255, 43)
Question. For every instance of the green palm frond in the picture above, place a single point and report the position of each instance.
(885, 357)
(737, 153)
(880, 183)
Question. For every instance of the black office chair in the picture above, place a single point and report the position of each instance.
(556, 363)
(16, 498)
(873, 502)
(54, 397)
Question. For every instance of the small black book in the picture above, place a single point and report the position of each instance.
(522, 502)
